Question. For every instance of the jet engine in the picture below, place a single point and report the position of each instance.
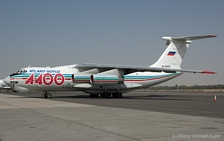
(83, 78)
(94, 77)
(105, 79)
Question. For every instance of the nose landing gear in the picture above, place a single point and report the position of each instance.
(47, 95)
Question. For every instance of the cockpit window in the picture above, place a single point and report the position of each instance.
(21, 71)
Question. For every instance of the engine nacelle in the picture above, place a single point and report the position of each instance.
(82, 78)
(105, 79)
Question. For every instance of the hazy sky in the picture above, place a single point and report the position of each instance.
(127, 32)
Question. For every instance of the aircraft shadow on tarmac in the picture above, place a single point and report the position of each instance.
(145, 97)
(140, 97)
(159, 97)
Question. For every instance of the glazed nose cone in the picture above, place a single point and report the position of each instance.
(7, 80)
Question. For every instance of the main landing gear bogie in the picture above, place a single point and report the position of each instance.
(109, 95)
(117, 95)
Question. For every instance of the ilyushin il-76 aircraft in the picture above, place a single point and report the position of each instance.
(105, 80)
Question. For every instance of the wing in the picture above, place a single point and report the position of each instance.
(139, 68)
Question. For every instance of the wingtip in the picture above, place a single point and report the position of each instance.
(211, 35)
(208, 72)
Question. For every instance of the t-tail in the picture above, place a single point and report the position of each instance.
(173, 56)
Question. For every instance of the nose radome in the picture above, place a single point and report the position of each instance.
(7, 80)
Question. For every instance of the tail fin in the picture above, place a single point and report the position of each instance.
(173, 55)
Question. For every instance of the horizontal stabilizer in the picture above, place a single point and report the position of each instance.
(189, 37)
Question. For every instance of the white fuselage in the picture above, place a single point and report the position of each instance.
(61, 79)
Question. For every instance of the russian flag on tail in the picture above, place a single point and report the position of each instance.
(171, 53)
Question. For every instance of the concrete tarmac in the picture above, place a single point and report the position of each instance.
(139, 116)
